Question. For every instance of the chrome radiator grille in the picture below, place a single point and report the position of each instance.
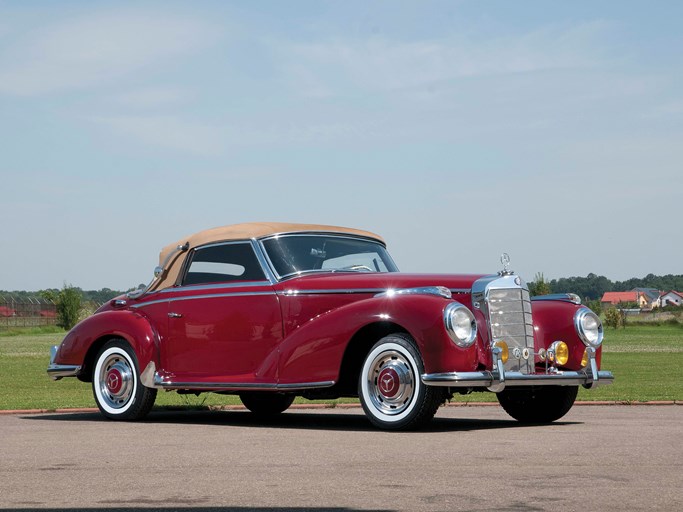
(509, 311)
(510, 314)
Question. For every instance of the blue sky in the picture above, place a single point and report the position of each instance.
(457, 130)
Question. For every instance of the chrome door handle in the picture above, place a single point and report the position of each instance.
(175, 315)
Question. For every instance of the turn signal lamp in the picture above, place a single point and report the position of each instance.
(584, 359)
(561, 351)
(505, 353)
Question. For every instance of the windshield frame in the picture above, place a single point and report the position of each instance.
(390, 264)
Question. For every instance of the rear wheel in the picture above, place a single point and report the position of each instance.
(266, 404)
(389, 385)
(116, 383)
(538, 404)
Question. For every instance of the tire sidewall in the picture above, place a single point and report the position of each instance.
(115, 348)
(403, 347)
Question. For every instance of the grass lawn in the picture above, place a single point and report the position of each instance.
(644, 359)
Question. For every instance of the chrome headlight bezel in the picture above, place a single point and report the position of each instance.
(591, 337)
(460, 324)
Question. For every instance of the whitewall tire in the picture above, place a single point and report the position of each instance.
(389, 385)
(116, 383)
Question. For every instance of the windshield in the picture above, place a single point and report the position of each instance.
(294, 254)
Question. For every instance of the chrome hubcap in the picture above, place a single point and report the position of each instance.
(116, 381)
(391, 382)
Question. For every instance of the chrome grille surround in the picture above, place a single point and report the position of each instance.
(504, 300)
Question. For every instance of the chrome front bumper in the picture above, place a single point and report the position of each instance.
(58, 371)
(498, 379)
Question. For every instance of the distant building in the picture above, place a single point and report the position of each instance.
(671, 298)
(650, 296)
(614, 298)
(645, 298)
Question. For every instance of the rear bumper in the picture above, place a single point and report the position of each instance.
(499, 379)
(58, 371)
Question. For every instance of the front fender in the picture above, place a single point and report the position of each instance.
(554, 321)
(314, 351)
(94, 330)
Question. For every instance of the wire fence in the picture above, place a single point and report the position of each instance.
(26, 312)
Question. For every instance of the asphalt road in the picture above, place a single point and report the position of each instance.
(471, 459)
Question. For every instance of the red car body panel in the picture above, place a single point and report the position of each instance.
(297, 330)
(92, 332)
(554, 321)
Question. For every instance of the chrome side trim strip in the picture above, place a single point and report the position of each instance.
(307, 385)
(439, 291)
(207, 296)
(430, 290)
(289, 293)
(160, 383)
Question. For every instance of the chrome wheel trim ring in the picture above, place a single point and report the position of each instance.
(390, 383)
(116, 383)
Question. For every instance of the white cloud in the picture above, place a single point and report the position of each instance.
(150, 97)
(319, 69)
(96, 49)
(168, 132)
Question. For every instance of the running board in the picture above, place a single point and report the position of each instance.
(150, 378)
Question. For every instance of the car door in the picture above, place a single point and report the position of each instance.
(224, 318)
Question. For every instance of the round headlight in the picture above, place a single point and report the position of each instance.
(460, 324)
(589, 327)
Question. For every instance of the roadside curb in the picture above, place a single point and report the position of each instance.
(80, 410)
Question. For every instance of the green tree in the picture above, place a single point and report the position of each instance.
(539, 286)
(68, 302)
(595, 306)
(613, 318)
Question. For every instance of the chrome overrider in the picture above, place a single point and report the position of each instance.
(59, 371)
(498, 379)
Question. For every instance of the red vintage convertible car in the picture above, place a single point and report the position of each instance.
(272, 311)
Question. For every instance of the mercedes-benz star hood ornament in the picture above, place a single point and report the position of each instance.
(505, 260)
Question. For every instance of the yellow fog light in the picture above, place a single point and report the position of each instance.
(561, 351)
(584, 359)
(505, 353)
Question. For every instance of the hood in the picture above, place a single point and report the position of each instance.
(378, 281)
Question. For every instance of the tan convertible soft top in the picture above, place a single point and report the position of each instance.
(245, 231)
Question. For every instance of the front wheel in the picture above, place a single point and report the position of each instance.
(116, 383)
(538, 404)
(389, 385)
(266, 404)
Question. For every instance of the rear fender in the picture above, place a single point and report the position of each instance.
(81, 344)
(314, 351)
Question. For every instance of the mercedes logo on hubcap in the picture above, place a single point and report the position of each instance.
(114, 381)
(388, 382)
